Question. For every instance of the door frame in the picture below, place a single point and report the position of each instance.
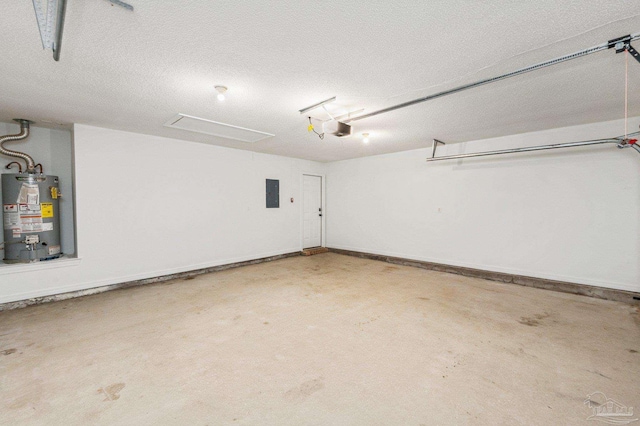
(323, 239)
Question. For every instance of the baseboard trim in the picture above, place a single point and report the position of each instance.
(101, 289)
(542, 283)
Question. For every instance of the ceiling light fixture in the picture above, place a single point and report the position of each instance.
(221, 91)
(365, 137)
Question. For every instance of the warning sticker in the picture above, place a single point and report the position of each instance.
(11, 218)
(12, 221)
(47, 209)
(29, 209)
(29, 194)
(30, 217)
(54, 250)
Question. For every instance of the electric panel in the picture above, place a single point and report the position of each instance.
(273, 193)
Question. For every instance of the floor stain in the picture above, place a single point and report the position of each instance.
(22, 401)
(8, 351)
(633, 351)
(361, 323)
(522, 352)
(303, 391)
(424, 298)
(533, 321)
(528, 321)
(112, 392)
(599, 374)
(390, 268)
(188, 278)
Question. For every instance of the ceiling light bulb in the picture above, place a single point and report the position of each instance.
(365, 137)
(221, 91)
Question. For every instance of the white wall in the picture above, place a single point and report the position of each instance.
(149, 206)
(53, 149)
(571, 215)
(62, 166)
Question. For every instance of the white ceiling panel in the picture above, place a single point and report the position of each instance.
(213, 128)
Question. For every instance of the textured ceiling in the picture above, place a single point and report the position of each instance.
(134, 71)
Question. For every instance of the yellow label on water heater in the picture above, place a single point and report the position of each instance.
(46, 209)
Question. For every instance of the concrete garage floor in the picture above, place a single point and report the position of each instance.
(326, 339)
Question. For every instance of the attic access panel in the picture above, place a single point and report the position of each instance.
(215, 128)
(273, 193)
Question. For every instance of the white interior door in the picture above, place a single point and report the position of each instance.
(312, 208)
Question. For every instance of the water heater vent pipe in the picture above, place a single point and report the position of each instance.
(24, 133)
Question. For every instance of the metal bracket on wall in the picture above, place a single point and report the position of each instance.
(435, 145)
(620, 141)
